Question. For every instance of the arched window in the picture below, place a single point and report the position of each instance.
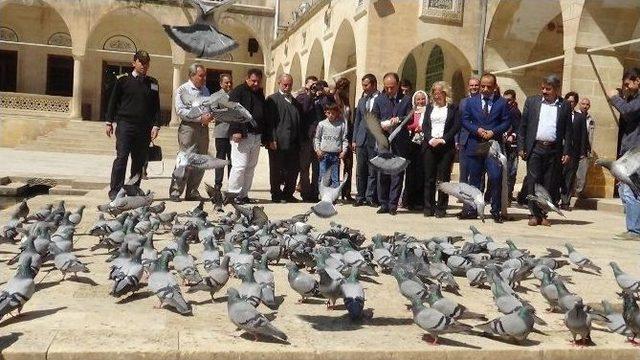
(409, 70)
(435, 66)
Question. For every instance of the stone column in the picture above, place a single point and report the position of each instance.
(177, 80)
(76, 101)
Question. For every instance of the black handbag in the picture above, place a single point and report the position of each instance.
(154, 153)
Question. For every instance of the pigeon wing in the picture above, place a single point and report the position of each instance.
(202, 40)
(373, 124)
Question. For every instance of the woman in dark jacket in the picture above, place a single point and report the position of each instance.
(439, 126)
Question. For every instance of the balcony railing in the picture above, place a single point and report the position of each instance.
(35, 102)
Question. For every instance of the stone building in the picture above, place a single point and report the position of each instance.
(57, 57)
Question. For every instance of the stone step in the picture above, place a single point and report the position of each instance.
(15, 188)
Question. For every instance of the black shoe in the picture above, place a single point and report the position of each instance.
(440, 214)
(348, 199)
(275, 199)
(497, 218)
(374, 204)
(382, 211)
(291, 199)
(427, 213)
(393, 212)
(359, 203)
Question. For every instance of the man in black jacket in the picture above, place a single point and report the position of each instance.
(282, 137)
(544, 142)
(245, 138)
(308, 159)
(134, 106)
(578, 150)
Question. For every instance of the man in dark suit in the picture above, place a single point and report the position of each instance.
(485, 117)
(365, 145)
(391, 107)
(283, 136)
(308, 159)
(134, 112)
(545, 142)
(473, 87)
(578, 150)
(510, 139)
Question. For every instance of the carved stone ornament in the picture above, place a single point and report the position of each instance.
(7, 34)
(60, 39)
(442, 10)
(120, 43)
(35, 102)
(223, 57)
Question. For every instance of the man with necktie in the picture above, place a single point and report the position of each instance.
(486, 117)
(365, 145)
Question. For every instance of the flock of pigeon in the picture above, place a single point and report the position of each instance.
(331, 265)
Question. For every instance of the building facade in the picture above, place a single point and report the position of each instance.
(59, 57)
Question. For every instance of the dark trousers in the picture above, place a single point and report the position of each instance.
(512, 167)
(477, 166)
(223, 151)
(366, 177)
(569, 179)
(462, 168)
(437, 168)
(308, 172)
(347, 173)
(131, 139)
(543, 167)
(389, 190)
(283, 172)
(413, 194)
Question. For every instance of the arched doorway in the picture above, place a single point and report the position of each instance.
(295, 71)
(343, 58)
(315, 64)
(23, 65)
(111, 45)
(523, 32)
(409, 70)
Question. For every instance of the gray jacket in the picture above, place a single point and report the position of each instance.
(629, 121)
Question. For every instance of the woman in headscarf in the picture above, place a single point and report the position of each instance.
(439, 126)
(413, 195)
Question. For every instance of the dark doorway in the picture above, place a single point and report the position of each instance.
(59, 75)
(213, 79)
(110, 73)
(8, 70)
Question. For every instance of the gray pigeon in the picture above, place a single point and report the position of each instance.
(449, 307)
(21, 211)
(495, 152)
(127, 278)
(165, 286)
(542, 200)
(614, 320)
(626, 169)
(578, 321)
(224, 110)
(18, 290)
(201, 38)
(434, 322)
(566, 300)
(215, 279)
(76, 216)
(67, 262)
(328, 195)
(183, 263)
(626, 282)
(215, 195)
(264, 277)
(303, 283)
(515, 326)
(410, 287)
(124, 203)
(249, 289)
(386, 161)
(468, 194)
(246, 317)
(330, 280)
(580, 260)
(353, 295)
(631, 315)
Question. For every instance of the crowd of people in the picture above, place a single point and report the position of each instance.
(317, 130)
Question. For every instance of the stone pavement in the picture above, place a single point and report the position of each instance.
(78, 319)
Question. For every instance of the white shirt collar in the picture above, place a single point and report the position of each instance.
(134, 73)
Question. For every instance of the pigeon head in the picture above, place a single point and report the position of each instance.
(569, 247)
(233, 295)
(24, 269)
(616, 269)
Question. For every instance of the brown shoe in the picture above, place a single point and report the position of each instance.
(533, 221)
(545, 222)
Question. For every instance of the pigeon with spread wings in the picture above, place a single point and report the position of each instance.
(202, 38)
(386, 161)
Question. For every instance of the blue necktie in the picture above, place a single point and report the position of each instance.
(485, 108)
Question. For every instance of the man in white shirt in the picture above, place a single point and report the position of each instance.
(192, 130)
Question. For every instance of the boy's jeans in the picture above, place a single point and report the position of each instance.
(330, 162)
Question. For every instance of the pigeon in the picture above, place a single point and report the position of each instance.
(434, 322)
(67, 262)
(201, 38)
(580, 260)
(410, 287)
(631, 316)
(18, 290)
(76, 216)
(468, 194)
(542, 200)
(215, 279)
(127, 278)
(158, 208)
(626, 282)
(614, 320)
(21, 211)
(10, 230)
(246, 317)
(495, 152)
(566, 300)
(477, 276)
(330, 280)
(210, 255)
(626, 169)
(264, 277)
(29, 251)
(249, 289)
(353, 295)
(328, 195)
(386, 161)
(124, 203)
(41, 214)
(301, 282)
(183, 263)
(215, 195)
(449, 307)
(224, 110)
(381, 255)
(578, 321)
(514, 327)
(165, 286)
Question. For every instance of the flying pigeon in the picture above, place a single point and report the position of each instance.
(386, 161)
(542, 199)
(328, 195)
(626, 169)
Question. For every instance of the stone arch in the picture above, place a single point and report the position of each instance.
(315, 63)
(53, 5)
(409, 70)
(279, 72)
(521, 32)
(343, 57)
(236, 27)
(22, 19)
(434, 70)
(453, 60)
(295, 70)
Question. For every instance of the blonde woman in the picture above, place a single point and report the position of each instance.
(439, 126)
(413, 195)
